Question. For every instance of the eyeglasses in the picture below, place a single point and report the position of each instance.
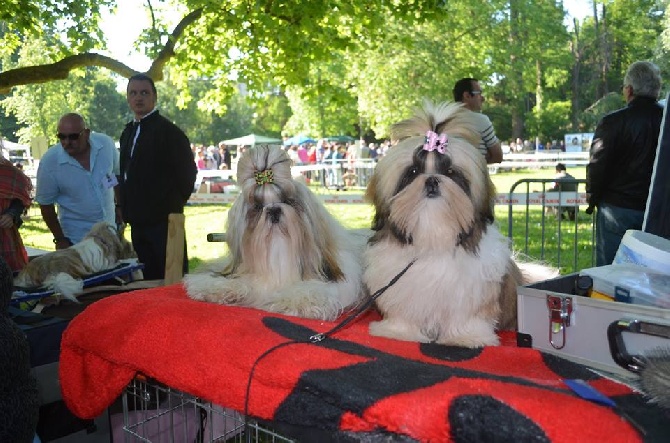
(475, 92)
(71, 137)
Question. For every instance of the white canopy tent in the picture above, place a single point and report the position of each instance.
(251, 140)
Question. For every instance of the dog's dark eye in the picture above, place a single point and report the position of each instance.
(408, 176)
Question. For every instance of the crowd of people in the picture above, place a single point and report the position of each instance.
(212, 157)
(338, 158)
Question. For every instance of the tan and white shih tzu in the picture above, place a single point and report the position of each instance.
(63, 271)
(434, 207)
(286, 253)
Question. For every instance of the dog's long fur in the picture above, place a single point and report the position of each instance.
(438, 209)
(63, 270)
(286, 253)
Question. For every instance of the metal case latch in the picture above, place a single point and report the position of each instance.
(560, 310)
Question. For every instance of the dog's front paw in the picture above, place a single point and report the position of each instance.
(307, 300)
(304, 307)
(215, 289)
(397, 329)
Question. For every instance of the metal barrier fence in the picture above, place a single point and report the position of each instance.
(551, 226)
(540, 159)
(332, 174)
(338, 173)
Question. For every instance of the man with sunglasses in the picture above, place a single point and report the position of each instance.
(469, 92)
(79, 176)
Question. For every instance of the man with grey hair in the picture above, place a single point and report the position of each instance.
(622, 159)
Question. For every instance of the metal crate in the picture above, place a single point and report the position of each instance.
(156, 413)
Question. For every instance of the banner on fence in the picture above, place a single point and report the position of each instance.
(533, 198)
(543, 198)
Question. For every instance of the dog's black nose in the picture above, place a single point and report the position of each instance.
(274, 214)
(432, 187)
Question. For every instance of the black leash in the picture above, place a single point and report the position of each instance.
(315, 339)
(361, 308)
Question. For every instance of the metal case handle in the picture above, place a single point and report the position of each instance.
(633, 363)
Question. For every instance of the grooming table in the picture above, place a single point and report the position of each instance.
(123, 270)
(350, 386)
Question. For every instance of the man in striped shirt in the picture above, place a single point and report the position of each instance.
(469, 92)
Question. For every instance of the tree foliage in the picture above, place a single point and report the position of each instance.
(76, 20)
(327, 67)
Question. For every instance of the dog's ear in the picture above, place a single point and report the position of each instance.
(488, 212)
(371, 190)
(372, 196)
(330, 267)
(379, 219)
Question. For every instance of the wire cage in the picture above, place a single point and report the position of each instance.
(153, 412)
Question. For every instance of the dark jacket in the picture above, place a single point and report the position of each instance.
(623, 153)
(159, 178)
(565, 183)
(19, 395)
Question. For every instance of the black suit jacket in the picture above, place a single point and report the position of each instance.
(158, 178)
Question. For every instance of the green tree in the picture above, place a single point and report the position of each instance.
(32, 105)
(271, 114)
(106, 108)
(626, 31)
(346, 66)
(75, 20)
(87, 91)
(273, 41)
(324, 105)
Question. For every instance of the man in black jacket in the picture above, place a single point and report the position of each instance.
(157, 175)
(622, 159)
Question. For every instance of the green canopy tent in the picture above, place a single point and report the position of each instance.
(341, 138)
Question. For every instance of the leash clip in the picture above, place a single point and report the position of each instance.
(317, 337)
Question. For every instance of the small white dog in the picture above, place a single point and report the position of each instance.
(286, 253)
(63, 270)
(434, 203)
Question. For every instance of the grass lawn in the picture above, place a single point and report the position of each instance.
(535, 235)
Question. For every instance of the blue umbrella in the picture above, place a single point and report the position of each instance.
(298, 140)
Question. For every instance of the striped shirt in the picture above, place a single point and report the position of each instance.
(485, 128)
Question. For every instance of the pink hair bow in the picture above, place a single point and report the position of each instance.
(435, 142)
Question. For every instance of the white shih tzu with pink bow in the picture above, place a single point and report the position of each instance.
(434, 208)
(286, 253)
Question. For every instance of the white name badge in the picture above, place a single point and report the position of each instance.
(109, 181)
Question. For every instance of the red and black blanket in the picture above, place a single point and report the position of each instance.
(350, 385)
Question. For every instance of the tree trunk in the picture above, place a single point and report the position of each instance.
(516, 75)
(576, 49)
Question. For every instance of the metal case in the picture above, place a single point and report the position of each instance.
(553, 319)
